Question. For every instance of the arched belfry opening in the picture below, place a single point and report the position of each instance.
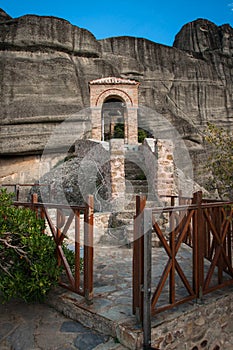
(113, 116)
(114, 106)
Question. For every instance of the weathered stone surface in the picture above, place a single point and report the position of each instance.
(44, 33)
(4, 16)
(46, 64)
(76, 176)
(186, 88)
(202, 35)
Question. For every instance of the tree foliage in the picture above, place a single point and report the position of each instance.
(119, 132)
(28, 264)
(220, 162)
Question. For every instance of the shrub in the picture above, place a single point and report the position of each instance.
(220, 162)
(28, 264)
(142, 134)
(119, 131)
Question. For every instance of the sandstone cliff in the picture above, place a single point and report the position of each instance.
(46, 64)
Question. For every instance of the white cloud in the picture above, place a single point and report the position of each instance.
(231, 6)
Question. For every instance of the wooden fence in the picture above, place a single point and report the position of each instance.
(22, 191)
(203, 232)
(58, 219)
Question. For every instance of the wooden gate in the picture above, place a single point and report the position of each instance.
(202, 232)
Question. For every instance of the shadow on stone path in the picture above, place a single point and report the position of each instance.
(40, 327)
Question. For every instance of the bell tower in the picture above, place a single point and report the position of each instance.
(114, 101)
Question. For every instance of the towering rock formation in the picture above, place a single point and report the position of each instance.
(46, 64)
(203, 36)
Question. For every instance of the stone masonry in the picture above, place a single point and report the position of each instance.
(166, 168)
(117, 173)
(159, 161)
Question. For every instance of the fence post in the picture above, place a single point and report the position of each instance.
(60, 221)
(198, 246)
(147, 230)
(34, 200)
(138, 258)
(88, 249)
(17, 192)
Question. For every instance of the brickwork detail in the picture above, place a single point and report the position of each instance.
(123, 89)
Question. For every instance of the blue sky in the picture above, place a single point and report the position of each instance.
(158, 21)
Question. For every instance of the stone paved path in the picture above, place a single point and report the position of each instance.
(39, 327)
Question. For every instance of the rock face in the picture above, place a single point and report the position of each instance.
(203, 36)
(4, 16)
(46, 64)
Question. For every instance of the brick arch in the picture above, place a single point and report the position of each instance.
(112, 87)
(113, 92)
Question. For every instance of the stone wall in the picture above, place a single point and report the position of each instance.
(25, 169)
(101, 223)
(158, 157)
(117, 173)
(151, 163)
(208, 325)
(166, 168)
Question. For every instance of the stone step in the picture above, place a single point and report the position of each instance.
(155, 242)
(125, 215)
(134, 159)
(134, 175)
(136, 182)
(137, 161)
(131, 206)
(133, 153)
(135, 172)
(138, 169)
(134, 167)
(129, 337)
(139, 172)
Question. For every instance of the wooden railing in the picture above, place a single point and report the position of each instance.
(196, 249)
(23, 190)
(58, 219)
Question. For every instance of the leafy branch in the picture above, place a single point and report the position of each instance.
(220, 161)
(28, 264)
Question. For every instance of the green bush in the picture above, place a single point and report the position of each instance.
(141, 176)
(220, 161)
(28, 264)
(141, 135)
(70, 257)
(119, 131)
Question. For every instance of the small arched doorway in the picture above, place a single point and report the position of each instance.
(113, 118)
